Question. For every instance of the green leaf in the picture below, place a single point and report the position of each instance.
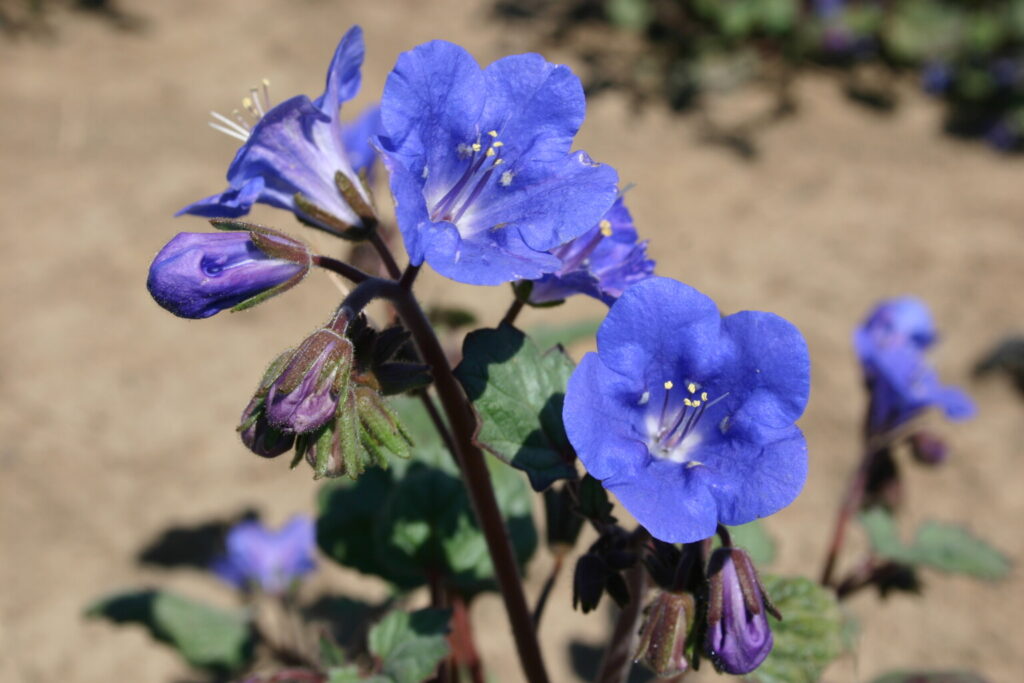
(518, 392)
(930, 677)
(416, 518)
(808, 638)
(954, 549)
(410, 645)
(350, 674)
(206, 637)
(633, 15)
(753, 538)
(937, 545)
(546, 336)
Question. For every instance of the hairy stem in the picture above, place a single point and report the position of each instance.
(341, 268)
(385, 255)
(470, 459)
(618, 656)
(848, 508)
(545, 592)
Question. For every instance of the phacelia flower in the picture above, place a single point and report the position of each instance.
(688, 416)
(270, 560)
(891, 344)
(480, 163)
(600, 263)
(295, 153)
(936, 77)
(739, 636)
(197, 275)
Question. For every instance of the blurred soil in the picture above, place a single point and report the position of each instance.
(119, 418)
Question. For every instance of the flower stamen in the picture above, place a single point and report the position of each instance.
(255, 106)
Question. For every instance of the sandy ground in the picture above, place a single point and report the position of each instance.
(119, 417)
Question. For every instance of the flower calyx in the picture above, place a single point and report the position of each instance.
(663, 637)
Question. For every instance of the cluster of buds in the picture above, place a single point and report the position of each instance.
(326, 398)
(721, 612)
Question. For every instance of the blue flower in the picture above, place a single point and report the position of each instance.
(688, 416)
(480, 163)
(738, 636)
(600, 263)
(199, 274)
(891, 344)
(270, 560)
(936, 77)
(290, 157)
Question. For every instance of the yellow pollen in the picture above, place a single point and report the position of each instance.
(246, 103)
(266, 83)
(606, 227)
(476, 146)
(499, 143)
(668, 385)
(687, 402)
(704, 396)
(499, 162)
(692, 388)
(696, 404)
(493, 133)
(491, 152)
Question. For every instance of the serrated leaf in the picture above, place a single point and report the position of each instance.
(930, 677)
(753, 538)
(410, 644)
(518, 392)
(808, 638)
(206, 637)
(954, 549)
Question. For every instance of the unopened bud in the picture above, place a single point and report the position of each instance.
(738, 634)
(197, 275)
(662, 646)
(305, 395)
(928, 449)
(257, 433)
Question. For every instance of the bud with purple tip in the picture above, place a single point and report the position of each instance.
(305, 395)
(197, 275)
(257, 433)
(663, 636)
(928, 448)
(738, 634)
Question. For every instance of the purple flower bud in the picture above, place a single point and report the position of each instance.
(259, 436)
(271, 560)
(738, 635)
(305, 395)
(197, 275)
(663, 636)
(928, 449)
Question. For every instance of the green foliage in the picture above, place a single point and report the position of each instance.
(416, 519)
(808, 638)
(930, 677)
(410, 645)
(518, 393)
(546, 336)
(206, 637)
(946, 547)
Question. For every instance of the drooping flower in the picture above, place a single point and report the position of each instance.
(197, 275)
(480, 163)
(739, 636)
(270, 560)
(891, 344)
(292, 156)
(600, 263)
(688, 417)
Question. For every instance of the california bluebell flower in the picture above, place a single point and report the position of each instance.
(739, 636)
(480, 163)
(891, 344)
(290, 157)
(688, 417)
(936, 77)
(269, 560)
(198, 274)
(600, 263)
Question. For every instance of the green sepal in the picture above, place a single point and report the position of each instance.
(318, 218)
(350, 193)
(272, 292)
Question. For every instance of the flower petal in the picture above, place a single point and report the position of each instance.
(231, 203)
(344, 75)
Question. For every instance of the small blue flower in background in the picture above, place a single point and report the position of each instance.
(289, 158)
(600, 263)
(272, 561)
(688, 417)
(198, 274)
(936, 77)
(480, 163)
(891, 344)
